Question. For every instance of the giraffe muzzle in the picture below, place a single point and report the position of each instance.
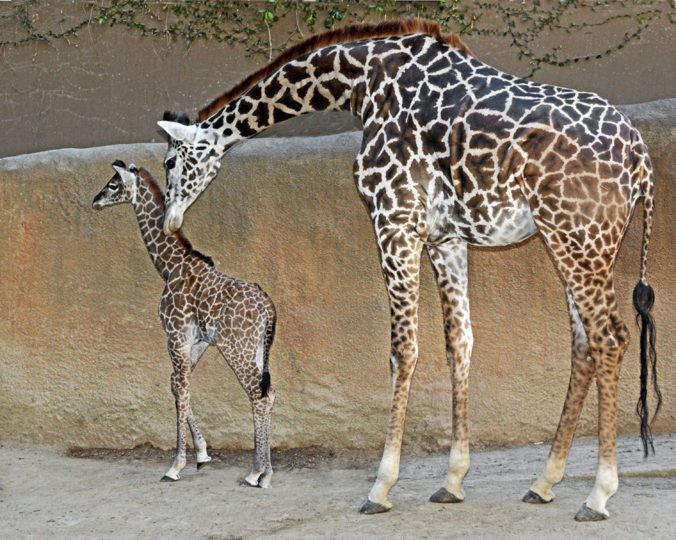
(97, 203)
(173, 219)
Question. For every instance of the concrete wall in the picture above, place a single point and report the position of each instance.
(85, 91)
(82, 354)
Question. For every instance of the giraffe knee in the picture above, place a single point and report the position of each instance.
(403, 354)
(263, 404)
(613, 338)
(622, 335)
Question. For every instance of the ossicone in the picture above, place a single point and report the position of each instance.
(182, 118)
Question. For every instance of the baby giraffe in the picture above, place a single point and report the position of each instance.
(200, 307)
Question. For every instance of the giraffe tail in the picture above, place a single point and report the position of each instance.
(268, 339)
(644, 298)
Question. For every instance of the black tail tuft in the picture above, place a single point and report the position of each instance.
(265, 383)
(644, 298)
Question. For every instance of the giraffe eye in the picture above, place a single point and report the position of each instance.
(114, 187)
(170, 163)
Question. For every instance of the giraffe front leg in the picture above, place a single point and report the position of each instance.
(400, 258)
(450, 265)
(581, 375)
(198, 440)
(180, 389)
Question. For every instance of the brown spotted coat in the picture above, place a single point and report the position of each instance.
(199, 307)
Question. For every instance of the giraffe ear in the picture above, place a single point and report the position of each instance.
(126, 176)
(179, 131)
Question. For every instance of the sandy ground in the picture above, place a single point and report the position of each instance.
(47, 493)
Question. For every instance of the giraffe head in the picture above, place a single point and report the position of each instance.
(121, 188)
(191, 163)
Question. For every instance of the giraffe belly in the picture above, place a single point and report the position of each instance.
(494, 227)
(511, 226)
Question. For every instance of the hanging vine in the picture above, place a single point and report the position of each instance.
(253, 24)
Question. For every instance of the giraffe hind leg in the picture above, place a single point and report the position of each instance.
(261, 472)
(590, 283)
(241, 362)
(607, 338)
(581, 375)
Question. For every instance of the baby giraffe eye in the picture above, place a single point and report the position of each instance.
(114, 187)
(170, 163)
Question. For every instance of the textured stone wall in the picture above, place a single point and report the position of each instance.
(82, 354)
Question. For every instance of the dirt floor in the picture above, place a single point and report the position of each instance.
(47, 493)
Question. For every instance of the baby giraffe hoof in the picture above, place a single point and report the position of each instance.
(442, 495)
(201, 464)
(369, 507)
(534, 498)
(166, 478)
(244, 482)
(265, 481)
(587, 514)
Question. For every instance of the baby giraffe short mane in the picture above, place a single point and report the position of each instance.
(356, 32)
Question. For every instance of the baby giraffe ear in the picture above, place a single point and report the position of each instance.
(178, 131)
(127, 177)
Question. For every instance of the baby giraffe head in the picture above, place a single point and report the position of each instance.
(121, 188)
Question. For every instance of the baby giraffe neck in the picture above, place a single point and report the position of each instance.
(166, 252)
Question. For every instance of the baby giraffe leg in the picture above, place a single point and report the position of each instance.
(181, 391)
(261, 472)
(197, 438)
(249, 373)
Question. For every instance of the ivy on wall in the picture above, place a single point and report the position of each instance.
(253, 24)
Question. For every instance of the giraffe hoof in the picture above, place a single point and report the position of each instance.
(201, 464)
(369, 507)
(244, 482)
(587, 514)
(442, 495)
(534, 498)
(166, 478)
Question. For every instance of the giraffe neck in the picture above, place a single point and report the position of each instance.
(366, 78)
(166, 252)
(328, 79)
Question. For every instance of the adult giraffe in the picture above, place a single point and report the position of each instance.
(455, 152)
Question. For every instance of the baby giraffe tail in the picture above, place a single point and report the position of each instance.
(644, 298)
(269, 338)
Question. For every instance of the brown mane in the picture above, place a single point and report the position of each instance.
(341, 35)
(153, 186)
(158, 197)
